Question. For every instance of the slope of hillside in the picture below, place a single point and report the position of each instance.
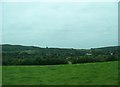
(30, 55)
(105, 73)
(8, 48)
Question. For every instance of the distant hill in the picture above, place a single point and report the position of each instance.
(31, 55)
(12, 48)
(21, 47)
(8, 47)
(108, 48)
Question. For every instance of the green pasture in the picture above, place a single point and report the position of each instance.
(100, 73)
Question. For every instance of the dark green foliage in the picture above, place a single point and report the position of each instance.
(29, 55)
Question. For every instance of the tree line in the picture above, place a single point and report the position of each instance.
(18, 55)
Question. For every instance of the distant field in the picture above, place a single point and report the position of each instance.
(104, 73)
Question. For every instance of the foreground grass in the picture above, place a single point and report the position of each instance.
(0, 75)
(104, 73)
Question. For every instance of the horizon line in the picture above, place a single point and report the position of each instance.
(58, 46)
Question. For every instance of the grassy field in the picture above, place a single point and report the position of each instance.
(104, 73)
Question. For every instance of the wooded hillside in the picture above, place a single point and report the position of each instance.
(30, 55)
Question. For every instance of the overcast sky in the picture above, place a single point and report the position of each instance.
(73, 25)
